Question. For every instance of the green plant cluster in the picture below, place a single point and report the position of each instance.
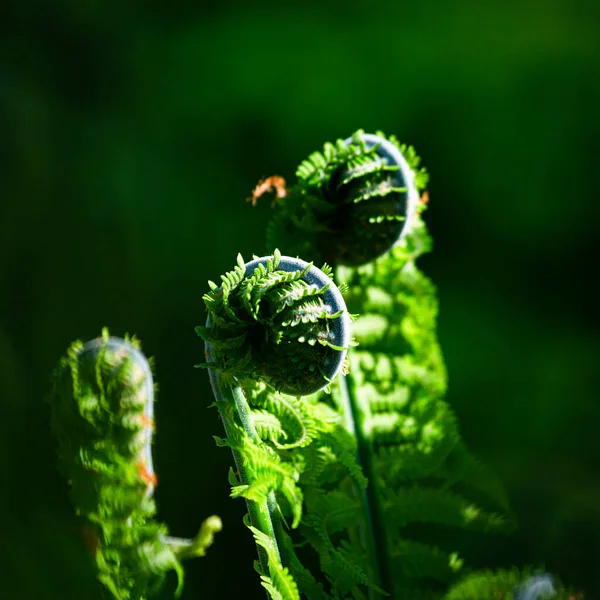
(338, 472)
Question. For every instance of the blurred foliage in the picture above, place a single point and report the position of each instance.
(131, 134)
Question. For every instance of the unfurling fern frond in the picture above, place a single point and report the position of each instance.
(273, 339)
(102, 415)
(351, 203)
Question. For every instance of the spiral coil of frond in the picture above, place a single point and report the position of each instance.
(352, 202)
(277, 320)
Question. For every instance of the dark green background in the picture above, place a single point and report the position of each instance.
(130, 135)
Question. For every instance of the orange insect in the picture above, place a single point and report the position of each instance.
(275, 183)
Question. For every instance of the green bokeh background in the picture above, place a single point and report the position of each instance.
(132, 132)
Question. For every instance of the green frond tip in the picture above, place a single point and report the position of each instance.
(197, 546)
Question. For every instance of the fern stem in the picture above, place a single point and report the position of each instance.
(375, 538)
(263, 516)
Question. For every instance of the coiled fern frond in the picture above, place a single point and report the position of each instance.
(103, 418)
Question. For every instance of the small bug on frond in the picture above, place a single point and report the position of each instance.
(275, 184)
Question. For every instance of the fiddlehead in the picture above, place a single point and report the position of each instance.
(352, 202)
(102, 414)
(279, 320)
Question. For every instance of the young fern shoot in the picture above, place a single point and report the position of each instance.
(277, 333)
(103, 417)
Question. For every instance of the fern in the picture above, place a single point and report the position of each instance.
(380, 449)
(102, 415)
